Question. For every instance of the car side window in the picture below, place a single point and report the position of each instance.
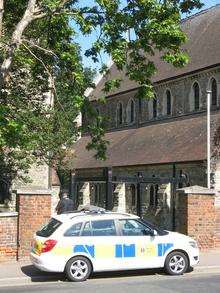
(74, 230)
(104, 228)
(87, 231)
(133, 228)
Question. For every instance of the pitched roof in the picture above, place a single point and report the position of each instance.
(203, 47)
(176, 141)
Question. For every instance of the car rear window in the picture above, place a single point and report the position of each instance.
(49, 228)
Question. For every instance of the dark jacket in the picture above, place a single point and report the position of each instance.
(65, 205)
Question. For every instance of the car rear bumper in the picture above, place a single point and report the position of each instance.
(45, 263)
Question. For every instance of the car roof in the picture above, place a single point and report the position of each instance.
(87, 216)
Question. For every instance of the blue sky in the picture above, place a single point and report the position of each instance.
(86, 42)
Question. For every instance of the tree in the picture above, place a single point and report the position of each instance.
(42, 79)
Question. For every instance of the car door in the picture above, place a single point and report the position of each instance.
(98, 240)
(138, 246)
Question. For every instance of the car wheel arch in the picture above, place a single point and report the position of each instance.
(177, 250)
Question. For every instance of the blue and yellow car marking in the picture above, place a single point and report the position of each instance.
(88, 249)
(148, 250)
(123, 250)
(163, 247)
(116, 251)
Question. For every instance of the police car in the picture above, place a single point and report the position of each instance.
(95, 240)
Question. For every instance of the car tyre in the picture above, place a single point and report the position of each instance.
(176, 263)
(78, 269)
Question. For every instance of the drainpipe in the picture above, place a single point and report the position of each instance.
(208, 138)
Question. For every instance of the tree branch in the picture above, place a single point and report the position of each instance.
(51, 79)
(40, 48)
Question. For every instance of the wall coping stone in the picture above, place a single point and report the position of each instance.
(196, 189)
(34, 191)
(8, 214)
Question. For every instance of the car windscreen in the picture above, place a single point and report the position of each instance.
(49, 228)
(152, 226)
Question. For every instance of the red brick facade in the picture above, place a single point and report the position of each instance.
(8, 236)
(17, 229)
(195, 216)
(34, 211)
(217, 227)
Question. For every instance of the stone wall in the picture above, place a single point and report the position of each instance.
(8, 236)
(34, 211)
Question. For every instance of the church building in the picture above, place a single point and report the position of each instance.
(156, 146)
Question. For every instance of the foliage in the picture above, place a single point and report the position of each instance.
(42, 80)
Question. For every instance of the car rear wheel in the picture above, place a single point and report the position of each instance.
(176, 263)
(78, 269)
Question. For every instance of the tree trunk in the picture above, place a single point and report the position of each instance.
(16, 40)
(1, 16)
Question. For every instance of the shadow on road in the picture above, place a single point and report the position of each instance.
(39, 276)
(124, 274)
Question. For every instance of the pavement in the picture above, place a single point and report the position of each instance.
(23, 272)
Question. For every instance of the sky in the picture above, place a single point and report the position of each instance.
(86, 41)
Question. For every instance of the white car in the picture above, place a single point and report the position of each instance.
(83, 242)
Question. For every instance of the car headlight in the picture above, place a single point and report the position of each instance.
(193, 244)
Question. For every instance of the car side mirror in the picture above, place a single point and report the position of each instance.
(150, 232)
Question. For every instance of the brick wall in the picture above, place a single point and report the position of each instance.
(201, 219)
(34, 211)
(195, 216)
(217, 227)
(8, 236)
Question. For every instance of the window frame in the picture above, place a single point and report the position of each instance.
(44, 232)
(137, 220)
(155, 107)
(195, 87)
(131, 112)
(168, 97)
(80, 231)
(90, 222)
(119, 114)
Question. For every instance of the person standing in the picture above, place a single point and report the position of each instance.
(65, 204)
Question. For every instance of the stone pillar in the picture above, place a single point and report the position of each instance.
(120, 198)
(85, 190)
(34, 210)
(55, 190)
(195, 215)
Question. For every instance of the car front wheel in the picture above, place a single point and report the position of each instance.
(176, 263)
(78, 269)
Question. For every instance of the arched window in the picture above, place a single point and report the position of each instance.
(168, 102)
(196, 93)
(119, 114)
(131, 111)
(214, 92)
(155, 107)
